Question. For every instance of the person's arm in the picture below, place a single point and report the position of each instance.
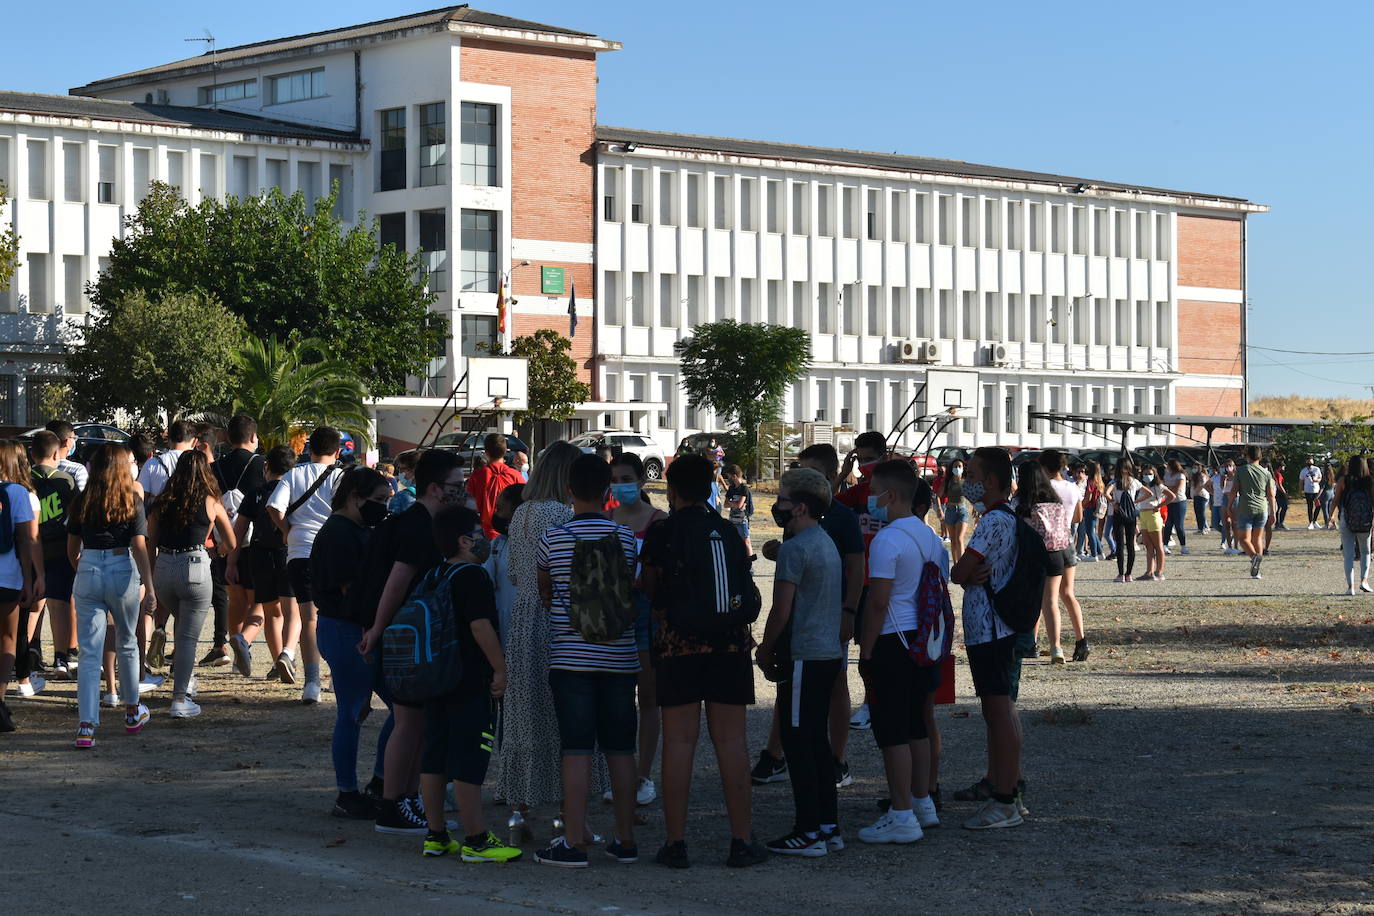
(279, 520)
(74, 549)
(485, 636)
(879, 594)
(138, 546)
(1340, 494)
(152, 526)
(784, 596)
(853, 592)
(393, 596)
(231, 570)
(846, 470)
(1078, 512)
(545, 589)
(970, 570)
(224, 531)
(30, 561)
(1167, 496)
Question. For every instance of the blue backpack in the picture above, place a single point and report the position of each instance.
(420, 657)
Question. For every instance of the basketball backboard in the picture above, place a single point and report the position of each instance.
(495, 383)
(952, 391)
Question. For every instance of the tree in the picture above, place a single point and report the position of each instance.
(285, 386)
(1330, 439)
(742, 371)
(9, 244)
(289, 270)
(154, 356)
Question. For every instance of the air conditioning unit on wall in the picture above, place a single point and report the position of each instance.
(918, 351)
(995, 354)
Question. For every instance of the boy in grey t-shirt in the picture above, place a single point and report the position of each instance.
(805, 613)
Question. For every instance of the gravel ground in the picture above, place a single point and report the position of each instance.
(1213, 755)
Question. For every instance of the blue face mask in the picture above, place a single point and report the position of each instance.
(876, 511)
(627, 494)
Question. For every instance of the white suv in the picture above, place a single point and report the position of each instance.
(625, 441)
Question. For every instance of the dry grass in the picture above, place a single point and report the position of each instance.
(1299, 406)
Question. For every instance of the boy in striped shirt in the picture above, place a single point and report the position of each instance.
(593, 683)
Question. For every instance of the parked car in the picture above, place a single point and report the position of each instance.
(622, 440)
(89, 437)
(925, 465)
(469, 445)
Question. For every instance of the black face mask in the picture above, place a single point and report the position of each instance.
(501, 524)
(373, 513)
(781, 516)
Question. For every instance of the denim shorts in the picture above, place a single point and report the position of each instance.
(595, 709)
(956, 514)
(1247, 521)
(742, 528)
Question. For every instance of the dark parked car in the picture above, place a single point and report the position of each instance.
(89, 437)
(469, 445)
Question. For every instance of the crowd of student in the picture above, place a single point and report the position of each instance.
(592, 627)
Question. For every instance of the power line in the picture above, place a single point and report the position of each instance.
(1312, 352)
(1320, 378)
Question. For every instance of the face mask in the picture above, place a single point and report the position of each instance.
(500, 523)
(372, 513)
(867, 469)
(627, 494)
(973, 492)
(481, 547)
(406, 481)
(781, 516)
(456, 495)
(1147, 478)
(956, 472)
(876, 511)
(72, 451)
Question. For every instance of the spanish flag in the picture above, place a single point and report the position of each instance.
(501, 307)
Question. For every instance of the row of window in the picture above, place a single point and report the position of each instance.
(285, 87)
(479, 234)
(41, 294)
(478, 163)
(636, 388)
(892, 214)
(34, 387)
(877, 311)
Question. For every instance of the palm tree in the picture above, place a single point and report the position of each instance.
(286, 386)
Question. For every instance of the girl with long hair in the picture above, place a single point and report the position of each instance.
(30, 617)
(1089, 543)
(1150, 499)
(108, 547)
(180, 524)
(956, 513)
(21, 571)
(1202, 492)
(1121, 497)
(1177, 521)
(1355, 491)
(1040, 505)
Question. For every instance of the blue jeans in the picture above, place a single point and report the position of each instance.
(1200, 512)
(106, 586)
(1089, 544)
(1177, 522)
(352, 674)
(1354, 547)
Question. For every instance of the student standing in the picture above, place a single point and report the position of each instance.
(487, 482)
(1152, 499)
(67, 442)
(1311, 479)
(258, 564)
(1121, 495)
(157, 470)
(870, 448)
(740, 502)
(56, 490)
(1355, 509)
(1071, 497)
(21, 576)
(237, 474)
(1176, 481)
(956, 515)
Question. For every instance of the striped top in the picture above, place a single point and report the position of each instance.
(568, 650)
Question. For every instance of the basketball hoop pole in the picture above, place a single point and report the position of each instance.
(436, 426)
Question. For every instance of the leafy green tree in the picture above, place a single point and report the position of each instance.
(9, 244)
(156, 356)
(1329, 440)
(289, 270)
(285, 386)
(742, 371)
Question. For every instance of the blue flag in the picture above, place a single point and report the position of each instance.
(572, 312)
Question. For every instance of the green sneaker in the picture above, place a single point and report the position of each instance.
(491, 849)
(443, 845)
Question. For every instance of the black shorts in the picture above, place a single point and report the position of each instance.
(996, 667)
(595, 709)
(459, 733)
(1055, 564)
(298, 574)
(269, 575)
(707, 677)
(58, 578)
(245, 569)
(897, 691)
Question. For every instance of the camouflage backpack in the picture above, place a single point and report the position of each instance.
(600, 605)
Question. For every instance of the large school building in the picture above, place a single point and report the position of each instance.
(1053, 292)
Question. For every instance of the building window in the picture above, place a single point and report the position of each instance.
(667, 198)
(209, 177)
(480, 263)
(610, 195)
(1035, 231)
(1100, 233)
(1142, 235)
(873, 216)
(1121, 234)
(693, 298)
(694, 220)
(1163, 330)
(825, 206)
(228, 92)
(1123, 323)
(38, 284)
(1016, 321)
(38, 169)
(900, 327)
(822, 401)
(1059, 229)
(825, 308)
(8, 385)
(875, 311)
(799, 207)
(639, 211)
(1010, 406)
(748, 204)
(1080, 230)
(294, 87)
(308, 182)
(850, 293)
(773, 205)
(342, 175)
(105, 175)
(479, 133)
(947, 316)
(73, 284)
(35, 397)
(5, 178)
(393, 157)
(924, 320)
(849, 212)
(434, 251)
(720, 299)
(969, 330)
(667, 301)
(989, 408)
(992, 318)
(945, 233)
(71, 173)
(1101, 321)
(992, 228)
(772, 315)
(968, 211)
(799, 316)
(1142, 324)
(610, 298)
(1014, 225)
(143, 171)
(478, 333)
(1079, 307)
(639, 304)
(720, 201)
(1036, 318)
(746, 302)
(921, 218)
(1032, 399)
(870, 405)
(665, 394)
(391, 230)
(897, 208)
(846, 403)
(276, 174)
(1059, 318)
(434, 145)
(1161, 236)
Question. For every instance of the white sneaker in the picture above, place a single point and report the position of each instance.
(310, 693)
(184, 709)
(109, 701)
(993, 815)
(151, 682)
(192, 688)
(1168, 552)
(925, 812)
(1312, 526)
(646, 792)
(34, 686)
(892, 827)
(861, 718)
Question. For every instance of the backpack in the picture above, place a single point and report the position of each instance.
(934, 634)
(1018, 603)
(600, 604)
(7, 518)
(713, 592)
(232, 497)
(1056, 533)
(1358, 511)
(1126, 509)
(55, 489)
(420, 657)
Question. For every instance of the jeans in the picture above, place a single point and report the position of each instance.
(595, 709)
(804, 700)
(182, 584)
(1352, 546)
(1087, 538)
(1176, 521)
(106, 586)
(352, 676)
(1109, 536)
(219, 599)
(1125, 544)
(1313, 501)
(1200, 512)
(1281, 498)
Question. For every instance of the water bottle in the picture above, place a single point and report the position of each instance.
(516, 828)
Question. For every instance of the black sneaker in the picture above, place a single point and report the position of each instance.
(743, 855)
(217, 657)
(980, 791)
(560, 855)
(1081, 650)
(797, 843)
(674, 855)
(842, 777)
(6, 720)
(373, 791)
(355, 806)
(626, 855)
(397, 818)
(768, 769)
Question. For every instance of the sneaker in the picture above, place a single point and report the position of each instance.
(893, 828)
(109, 701)
(490, 849)
(1148, 577)
(625, 855)
(354, 806)
(1159, 577)
(6, 719)
(925, 812)
(770, 768)
(136, 721)
(85, 735)
(243, 655)
(1168, 552)
(980, 791)
(646, 793)
(993, 815)
(215, 658)
(416, 803)
(861, 718)
(192, 688)
(797, 843)
(842, 777)
(272, 674)
(440, 844)
(286, 668)
(674, 855)
(1312, 526)
(1184, 551)
(1081, 650)
(310, 694)
(834, 838)
(61, 670)
(1119, 579)
(150, 682)
(742, 854)
(1129, 579)
(184, 709)
(398, 819)
(157, 644)
(560, 855)
(32, 687)
(1364, 587)
(1057, 655)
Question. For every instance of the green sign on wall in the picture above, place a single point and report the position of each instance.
(552, 280)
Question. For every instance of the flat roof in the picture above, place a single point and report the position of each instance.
(72, 106)
(895, 161)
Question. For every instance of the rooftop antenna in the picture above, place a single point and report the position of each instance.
(209, 40)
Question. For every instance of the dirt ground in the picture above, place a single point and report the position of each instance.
(1213, 755)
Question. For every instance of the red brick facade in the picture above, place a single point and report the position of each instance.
(1207, 402)
(1209, 252)
(1210, 340)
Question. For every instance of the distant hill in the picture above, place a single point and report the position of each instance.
(1302, 407)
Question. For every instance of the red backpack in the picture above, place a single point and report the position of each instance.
(934, 634)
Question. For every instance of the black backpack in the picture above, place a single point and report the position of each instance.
(1018, 603)
(7, 518)
(1126, 508)
(712, 588)
(56, 489)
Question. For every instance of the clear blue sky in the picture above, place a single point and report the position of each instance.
(1263, 100)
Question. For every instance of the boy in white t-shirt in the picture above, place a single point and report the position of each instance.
(898, 687)
(1311, 479)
